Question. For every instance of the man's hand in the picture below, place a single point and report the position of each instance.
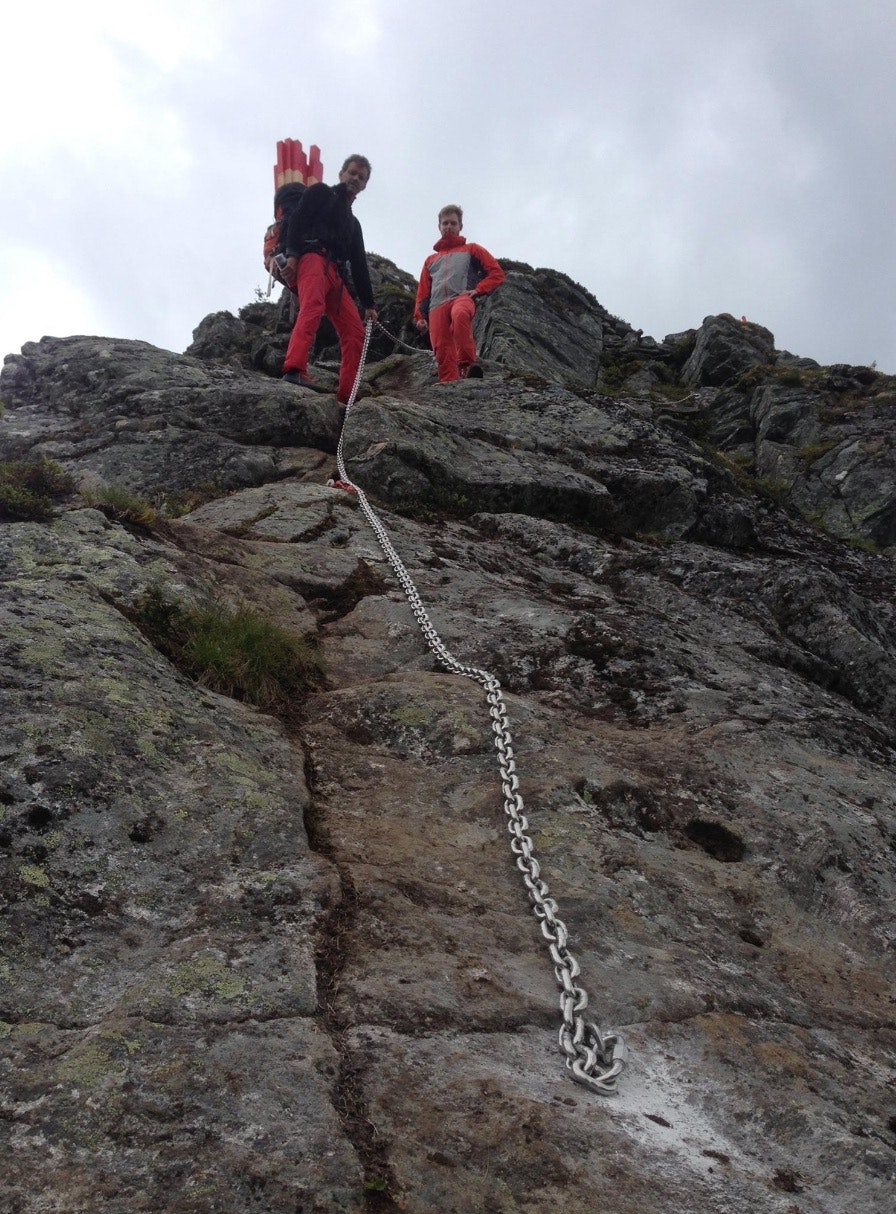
(289, 271)
(421, 325)
(371, 314)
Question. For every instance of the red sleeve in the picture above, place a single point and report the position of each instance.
(424, 290)
(494, 275)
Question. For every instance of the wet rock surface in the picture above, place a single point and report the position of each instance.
(262, 964)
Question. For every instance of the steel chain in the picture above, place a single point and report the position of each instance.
(399, 342)
(594, 1058)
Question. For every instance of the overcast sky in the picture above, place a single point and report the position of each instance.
(676, 157)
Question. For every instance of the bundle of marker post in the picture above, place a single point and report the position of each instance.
(294, 165)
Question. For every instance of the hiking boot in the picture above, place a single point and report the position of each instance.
(300, 381)
(474, 371)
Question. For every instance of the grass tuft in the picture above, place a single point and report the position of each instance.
(29, 489)
(121, 506)
(237, 652)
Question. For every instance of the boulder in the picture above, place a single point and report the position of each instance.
(725, 349)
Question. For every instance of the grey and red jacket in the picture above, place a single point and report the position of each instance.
(453, 268)
(323, 223)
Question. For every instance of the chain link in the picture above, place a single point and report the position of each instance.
(404, 344)
(594, 1058)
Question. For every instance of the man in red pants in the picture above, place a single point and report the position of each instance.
(322, 235)
(452, 279)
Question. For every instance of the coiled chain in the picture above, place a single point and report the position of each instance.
(594, 1058)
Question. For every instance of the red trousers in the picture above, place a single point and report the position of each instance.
(451, 335)
(322, 293)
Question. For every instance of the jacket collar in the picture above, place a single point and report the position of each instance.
(449, 242)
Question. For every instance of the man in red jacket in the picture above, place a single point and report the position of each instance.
(452, 279)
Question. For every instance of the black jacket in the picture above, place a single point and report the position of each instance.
(323, 222)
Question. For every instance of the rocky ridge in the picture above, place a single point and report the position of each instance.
(284, 961)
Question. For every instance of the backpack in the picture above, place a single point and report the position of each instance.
(286, 200)
(293, 173)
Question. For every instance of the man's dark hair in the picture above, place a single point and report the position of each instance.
(362, 160)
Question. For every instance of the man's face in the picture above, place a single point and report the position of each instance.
(354, 178)
(450, 224)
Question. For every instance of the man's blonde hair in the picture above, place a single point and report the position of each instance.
(451, 209)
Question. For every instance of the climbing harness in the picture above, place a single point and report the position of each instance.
(595, 1058)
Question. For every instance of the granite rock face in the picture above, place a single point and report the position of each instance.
(287, 963)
